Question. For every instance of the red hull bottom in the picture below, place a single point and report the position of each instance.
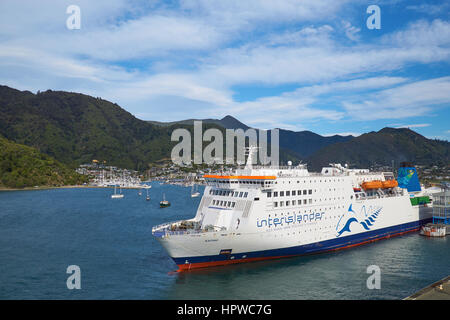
(190, 266)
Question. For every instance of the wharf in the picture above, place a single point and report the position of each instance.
(439, 290)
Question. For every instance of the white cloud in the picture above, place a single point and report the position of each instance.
(408, 100)
(241, 13)
(195, 54)
(431, 9)
(421, 34)
(419, 125)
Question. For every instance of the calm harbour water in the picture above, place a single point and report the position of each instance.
(42, 232)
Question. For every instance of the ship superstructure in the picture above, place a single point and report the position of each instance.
(258, 213)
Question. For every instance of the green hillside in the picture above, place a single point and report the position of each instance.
(22, 166)
(382, 147)
(75, 128)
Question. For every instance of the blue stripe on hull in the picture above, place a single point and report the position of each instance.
(317, 247)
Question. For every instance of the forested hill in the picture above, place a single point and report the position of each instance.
(75, 128)
(382, 147)
(22, 166)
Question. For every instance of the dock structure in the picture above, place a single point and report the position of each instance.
(439, 290)
(441, 208)
(440, 227)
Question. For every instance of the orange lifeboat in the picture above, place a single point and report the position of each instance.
(390, 183)
(369, 185)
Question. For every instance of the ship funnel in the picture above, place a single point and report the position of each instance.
(408, 178)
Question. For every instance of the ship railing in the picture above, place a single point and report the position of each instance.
(164, 229)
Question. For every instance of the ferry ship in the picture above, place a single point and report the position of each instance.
(259, 213)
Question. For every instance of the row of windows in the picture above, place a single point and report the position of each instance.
(291, 203)
(274, 182)
(288, 193)
(244, 182)
(228, 193)
(227, 204)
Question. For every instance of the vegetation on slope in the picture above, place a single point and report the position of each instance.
(22, 166)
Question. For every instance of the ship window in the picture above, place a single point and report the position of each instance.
(275, 194)
(245, 195)
(287, 203)
(240, 194)
(288, 193)
(269, 194)
(309, 191)
(281, 203)
(310, 200)
(275, 204)
(281, 193)
(293, 192)
(233, 204)
(256, 199)
(229, 204)
(299, 202)
(304, 191)
(299, 192)
(304, 201)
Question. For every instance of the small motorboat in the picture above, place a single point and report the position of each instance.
(164, 203)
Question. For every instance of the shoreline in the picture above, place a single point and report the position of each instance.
(46, 188)
(61, 187)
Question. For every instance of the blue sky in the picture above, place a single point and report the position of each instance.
(299, 65)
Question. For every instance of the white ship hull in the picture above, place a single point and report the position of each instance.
(327, 217)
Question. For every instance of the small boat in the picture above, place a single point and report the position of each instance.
(116, 195)
(194, 192)
(147, 197)
(164, 203)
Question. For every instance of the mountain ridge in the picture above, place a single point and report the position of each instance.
(75, 128)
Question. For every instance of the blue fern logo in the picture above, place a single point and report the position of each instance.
(366, 221)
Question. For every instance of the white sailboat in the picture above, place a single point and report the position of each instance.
(117, 195)
(148, 196)
(194, 192)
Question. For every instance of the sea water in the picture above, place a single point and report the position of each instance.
(43, 232)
